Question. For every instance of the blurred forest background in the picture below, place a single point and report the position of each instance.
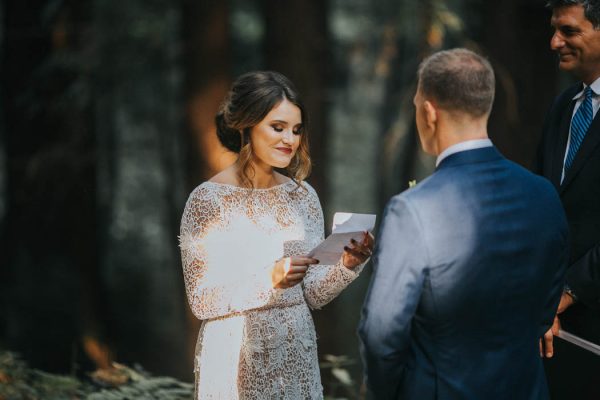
(106, 125)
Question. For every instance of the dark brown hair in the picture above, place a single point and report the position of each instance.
(591, 8)
(458, 80)
(251, 97)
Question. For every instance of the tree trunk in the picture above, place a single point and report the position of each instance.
(48, 246)
(207, 76)
(140, 180)
(296, 44)
(3, 193)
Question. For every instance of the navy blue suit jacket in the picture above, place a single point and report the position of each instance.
(468, 271)
(580, 195)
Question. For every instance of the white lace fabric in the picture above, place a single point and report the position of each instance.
(255, 342)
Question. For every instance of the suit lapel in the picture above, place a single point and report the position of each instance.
(559, 148)
(589, 144)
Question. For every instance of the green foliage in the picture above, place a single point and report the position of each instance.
(148, 388)
(339, 381)
(19, 382)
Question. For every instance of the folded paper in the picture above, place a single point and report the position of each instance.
(346, 226)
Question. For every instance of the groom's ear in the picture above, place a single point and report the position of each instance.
(431, 114)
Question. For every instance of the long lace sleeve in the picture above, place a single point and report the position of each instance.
(217, 282)
(323, 283)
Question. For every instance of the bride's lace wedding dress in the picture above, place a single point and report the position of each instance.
(255, 342)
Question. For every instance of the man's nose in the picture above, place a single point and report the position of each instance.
(557, 41)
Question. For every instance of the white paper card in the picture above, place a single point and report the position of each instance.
(346, 226)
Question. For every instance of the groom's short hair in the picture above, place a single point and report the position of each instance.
(458, 80)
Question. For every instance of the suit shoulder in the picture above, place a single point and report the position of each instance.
(413, 196)
(571, 90)
(398, 201)
(536, 186)
(529, 178)
(403, 207)
(565, 96)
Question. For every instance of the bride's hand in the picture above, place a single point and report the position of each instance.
(290, 271)
(357, 253)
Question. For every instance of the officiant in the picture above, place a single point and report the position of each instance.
(569, 156)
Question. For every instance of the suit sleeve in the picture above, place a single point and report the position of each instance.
(556, 290)
(400, 268)
(583, 277)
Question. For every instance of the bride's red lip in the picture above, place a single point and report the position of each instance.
(285, 150)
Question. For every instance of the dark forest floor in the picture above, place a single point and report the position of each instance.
(19, 382)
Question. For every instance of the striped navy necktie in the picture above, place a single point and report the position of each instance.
(579, 126)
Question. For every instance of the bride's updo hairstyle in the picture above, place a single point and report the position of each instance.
(251, 97)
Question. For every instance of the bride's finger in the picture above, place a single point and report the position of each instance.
(355, 253)
(295, 269)
(360, 244)
(364, 250)
(287, 265)
(295, 277)
(296, 260)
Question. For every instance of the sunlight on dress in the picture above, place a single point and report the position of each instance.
(255, 342)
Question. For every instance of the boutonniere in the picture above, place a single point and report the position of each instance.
(412, 183)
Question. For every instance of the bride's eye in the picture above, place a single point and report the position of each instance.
(277, 128)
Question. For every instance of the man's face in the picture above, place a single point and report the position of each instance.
(576, 42)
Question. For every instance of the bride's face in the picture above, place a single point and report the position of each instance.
(276, 138)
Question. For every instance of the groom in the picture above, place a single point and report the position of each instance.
(469, 266)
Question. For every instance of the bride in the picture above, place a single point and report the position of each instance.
(244, 236)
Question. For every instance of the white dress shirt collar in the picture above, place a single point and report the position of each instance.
(463, 146)
(595, 88)
(578, 98)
